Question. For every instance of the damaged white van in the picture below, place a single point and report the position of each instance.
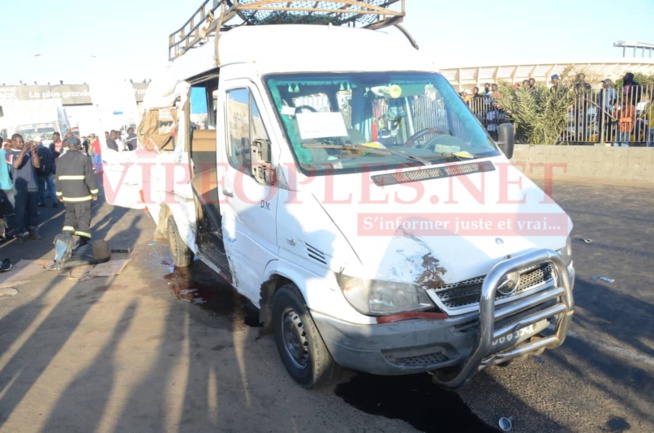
(339, 183)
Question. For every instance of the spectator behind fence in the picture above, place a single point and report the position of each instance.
(554, 80)
(626, 123)
(606, 103)
(465, 96)
(649, 112)
(532, 83)
(580, 83)
(631, 89)
(495, 92)
(475, 92)
(582, 89)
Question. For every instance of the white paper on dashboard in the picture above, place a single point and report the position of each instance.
(319, 125)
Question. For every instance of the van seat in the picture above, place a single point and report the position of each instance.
(203, 149)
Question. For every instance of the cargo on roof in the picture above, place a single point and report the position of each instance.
(214, 16)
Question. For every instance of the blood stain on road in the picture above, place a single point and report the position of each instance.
(413, 399)
(199, 285)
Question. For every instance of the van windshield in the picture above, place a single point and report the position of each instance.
(44, 130)
(345, 123)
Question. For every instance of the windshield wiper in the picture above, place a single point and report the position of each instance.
(364, 148)
(349, 147)
(458, 156)
(409, 156)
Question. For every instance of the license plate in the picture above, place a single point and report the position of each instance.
(517, 336)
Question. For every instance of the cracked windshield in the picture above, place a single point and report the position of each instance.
(344, 123)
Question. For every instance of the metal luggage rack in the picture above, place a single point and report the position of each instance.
(213, 16)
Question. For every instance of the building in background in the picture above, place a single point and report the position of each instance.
(467, 77)
(93, 107)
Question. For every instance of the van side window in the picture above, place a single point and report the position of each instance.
(238, 127)
(244, 126)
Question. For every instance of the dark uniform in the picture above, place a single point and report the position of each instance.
(76, 187)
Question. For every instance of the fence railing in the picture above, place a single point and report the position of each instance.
(595, 116)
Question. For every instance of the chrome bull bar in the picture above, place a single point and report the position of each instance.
(488, 315)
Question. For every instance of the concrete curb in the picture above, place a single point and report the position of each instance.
(633, 165)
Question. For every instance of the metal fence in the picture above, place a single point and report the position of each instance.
(488, 114)
(617, 116)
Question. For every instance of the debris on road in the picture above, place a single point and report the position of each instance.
(605, 279)
(506, 423)
(78, 272)
(106, 269)
(152, 244)
(8, 291)
(586, 240)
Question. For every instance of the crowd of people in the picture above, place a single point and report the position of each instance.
(619, 116)
(121, 141)
(32, 173)
(483, 104)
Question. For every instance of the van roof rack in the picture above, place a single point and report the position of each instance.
(213, 16)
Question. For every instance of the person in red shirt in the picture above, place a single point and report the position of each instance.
(626, 122)
(56, 147)
(96, 152)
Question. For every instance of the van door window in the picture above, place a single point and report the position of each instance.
(248, 142)
(238, 126)
(203, 126)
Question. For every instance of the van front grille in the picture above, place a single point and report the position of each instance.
(464, 296)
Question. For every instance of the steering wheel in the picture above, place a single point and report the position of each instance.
(415, 137)
(299, 108)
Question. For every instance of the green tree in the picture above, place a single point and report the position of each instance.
(540, 114)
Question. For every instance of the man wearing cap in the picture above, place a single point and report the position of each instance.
(76, 188)
(554, 79)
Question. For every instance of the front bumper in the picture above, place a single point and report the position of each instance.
(471, 341)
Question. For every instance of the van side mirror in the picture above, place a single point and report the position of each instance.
(260, 167)
(506, 139)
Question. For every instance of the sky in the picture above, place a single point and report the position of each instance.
(70, 40)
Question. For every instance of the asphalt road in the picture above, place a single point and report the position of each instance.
(139, 352)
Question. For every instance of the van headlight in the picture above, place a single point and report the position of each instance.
(377, 297)
(566, 252)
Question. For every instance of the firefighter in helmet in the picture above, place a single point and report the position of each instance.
(76, 186)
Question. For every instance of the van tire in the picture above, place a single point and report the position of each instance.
(179, 251)
(299, 343)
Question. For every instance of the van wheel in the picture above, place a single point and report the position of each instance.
(300, 345)
(180, 253)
